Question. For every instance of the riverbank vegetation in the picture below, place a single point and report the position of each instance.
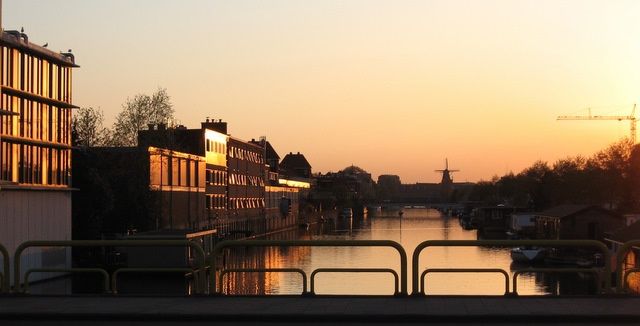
(608, 178)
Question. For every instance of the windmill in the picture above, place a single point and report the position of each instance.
(446, 173)
(631, 118)
(446, 185)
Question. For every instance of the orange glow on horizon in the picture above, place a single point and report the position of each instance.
(392, 87)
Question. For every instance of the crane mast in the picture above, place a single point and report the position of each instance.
(631, 118)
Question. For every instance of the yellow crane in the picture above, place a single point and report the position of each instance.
(631, 118)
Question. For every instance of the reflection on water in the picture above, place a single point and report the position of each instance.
(415, 226)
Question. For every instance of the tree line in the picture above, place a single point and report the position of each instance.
(137, 113)
(609, 178)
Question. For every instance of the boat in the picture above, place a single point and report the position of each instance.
(527, 254)
(568, 261)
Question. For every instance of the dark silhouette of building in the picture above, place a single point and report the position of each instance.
(567, 222)
(296, 165)
(390, 189)
(137, 189)
(350, 187)
(388, 186)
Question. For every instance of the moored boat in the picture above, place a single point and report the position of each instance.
(527, 255)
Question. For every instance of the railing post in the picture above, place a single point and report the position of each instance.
(6, 277)
(620, 256)
(102, 243)
(510, 243)
(218, 249)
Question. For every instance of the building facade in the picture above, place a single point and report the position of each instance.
(35, 148)
(129, 190)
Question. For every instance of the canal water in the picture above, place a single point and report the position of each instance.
(415, 226)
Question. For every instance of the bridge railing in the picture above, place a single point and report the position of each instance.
(402, 279)
(214, 282)
(622, 276)
(200, 263)
(417, 278)
(5, 277)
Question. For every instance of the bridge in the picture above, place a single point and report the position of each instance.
(208, 303)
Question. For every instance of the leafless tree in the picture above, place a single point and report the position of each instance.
(87, 129)
(137, 113)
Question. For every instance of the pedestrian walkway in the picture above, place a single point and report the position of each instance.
(53, 310)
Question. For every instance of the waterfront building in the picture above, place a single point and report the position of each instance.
(390, 189)
(284, 194)
(567, 222)
(351, 187)
(272, 161)
(35, 148)
(210, 142)
(246, 186)
(240, 201)
(127, 190)
(296, 165)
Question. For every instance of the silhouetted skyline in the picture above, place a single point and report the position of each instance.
(391, 87)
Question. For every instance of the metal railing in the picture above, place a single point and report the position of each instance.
(517, 273)
(105, 275)
(114, 278)
(465, 270)
(621, 280)
(312, 243)
(5, 277)
(415, 277)
(264, 270)
(200, 282)
(627, 274)
(396, 278)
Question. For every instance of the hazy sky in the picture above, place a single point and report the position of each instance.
(391, 86)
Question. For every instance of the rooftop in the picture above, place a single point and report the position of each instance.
(20, 40)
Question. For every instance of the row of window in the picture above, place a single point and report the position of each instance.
(245, 180)
(274, 198)
(243, 154)
(216, 178)
(214, 146)
(34, 75)
(238, 203)
(34, 165)
(216, 202)
(36, 120)
(176, 171)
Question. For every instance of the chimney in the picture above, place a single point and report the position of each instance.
(212, 124)
(151, 126)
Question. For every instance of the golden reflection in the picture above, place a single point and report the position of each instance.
(216, 147)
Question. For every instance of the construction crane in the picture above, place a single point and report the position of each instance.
(631, 118)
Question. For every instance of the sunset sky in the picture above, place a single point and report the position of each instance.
(394, 87)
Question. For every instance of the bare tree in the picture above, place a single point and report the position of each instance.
(137, 113)
(87, 129)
